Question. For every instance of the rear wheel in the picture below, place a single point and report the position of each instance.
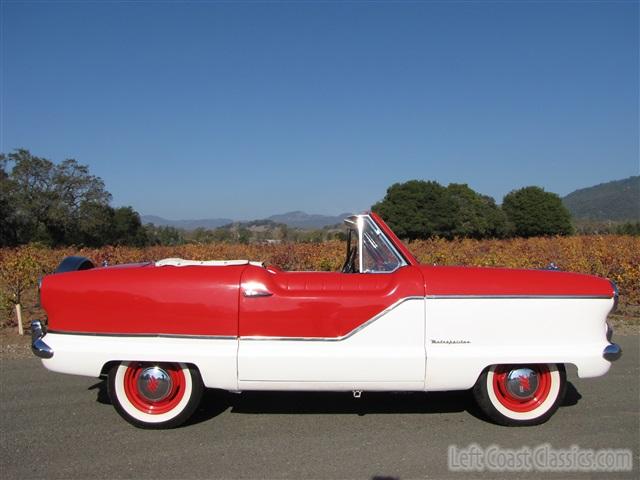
(521, 394)
(155, 395)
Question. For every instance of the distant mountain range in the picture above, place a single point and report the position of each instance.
(304, 220)
(208, 223)
(612, 201)
(296, 219)
(615, 201)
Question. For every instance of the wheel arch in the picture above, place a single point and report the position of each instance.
(104, 371)
(488, 366)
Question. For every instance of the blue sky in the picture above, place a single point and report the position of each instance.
(246, 109)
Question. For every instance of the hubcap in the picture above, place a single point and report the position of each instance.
(522, 383)
(154, 384)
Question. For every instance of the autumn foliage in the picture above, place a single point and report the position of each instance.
(616, 257)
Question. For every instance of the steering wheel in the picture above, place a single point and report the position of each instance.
(350, 264)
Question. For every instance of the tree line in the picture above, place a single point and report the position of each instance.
(60, 204)
(420, 209)
(64, 204)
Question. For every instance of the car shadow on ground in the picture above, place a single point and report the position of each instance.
(571, 396)
(214, 402)
(333, 403)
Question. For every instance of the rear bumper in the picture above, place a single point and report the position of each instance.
(612, 352)
(38, 346)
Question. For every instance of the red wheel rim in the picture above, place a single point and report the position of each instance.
(505, 373)
(170, 399)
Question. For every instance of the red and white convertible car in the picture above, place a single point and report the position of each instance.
(162, 332)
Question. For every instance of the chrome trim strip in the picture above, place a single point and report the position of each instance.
(336, 339)
(144, 335)
(609, 333)
(38, 346)
(616, 295)
(507, 297)
(360, 244)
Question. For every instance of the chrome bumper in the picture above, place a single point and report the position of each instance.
(612, 352)
(38, 347)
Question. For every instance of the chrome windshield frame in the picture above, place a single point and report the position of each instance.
(358, 223)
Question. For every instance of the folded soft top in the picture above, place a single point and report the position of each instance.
(180, 262)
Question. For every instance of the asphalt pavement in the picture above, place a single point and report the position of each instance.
(61, 426)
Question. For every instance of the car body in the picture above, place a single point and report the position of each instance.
(162, 332)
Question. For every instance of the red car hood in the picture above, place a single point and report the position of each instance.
(482, 281)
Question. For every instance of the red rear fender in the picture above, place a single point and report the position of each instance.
(190, 300)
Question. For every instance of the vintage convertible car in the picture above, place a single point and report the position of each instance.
(161, 332)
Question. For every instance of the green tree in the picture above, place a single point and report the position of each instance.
(94, 227)
(475, 215)
(164, 235)
(243, 235)
(48, 198)
(127, 228)
(629, 228)
(222, 235)
(534, 212)
(60, 204)
(417, 209)
(9, 224)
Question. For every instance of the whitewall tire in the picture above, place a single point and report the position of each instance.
(155, 395)
(521, 394)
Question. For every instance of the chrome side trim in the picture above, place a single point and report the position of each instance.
(336, 339)
(507, 297)
(612, 352)
(360, 244)
(143, 335)
(616, 295)
(38, 347)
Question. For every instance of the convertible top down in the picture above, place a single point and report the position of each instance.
(163, 331)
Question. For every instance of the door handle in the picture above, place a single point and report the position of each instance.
(254, 289)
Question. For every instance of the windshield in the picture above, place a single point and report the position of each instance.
(368, 249)
(378, 253)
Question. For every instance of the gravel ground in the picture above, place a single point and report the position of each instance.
(15, 346)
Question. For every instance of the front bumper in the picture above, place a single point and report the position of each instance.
(38, 346)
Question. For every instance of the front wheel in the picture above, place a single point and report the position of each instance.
(155, 395)
(518, 395)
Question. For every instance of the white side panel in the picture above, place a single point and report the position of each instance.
(87, 354)
(466, 335)
(390, 349)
